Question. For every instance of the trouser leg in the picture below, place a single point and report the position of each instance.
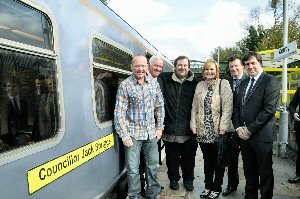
(132, 161)
(172, 150)
(298, 153)
(250, 170)
(264, 152)
(151, 163)
(233, 175)
(206, 149)
(188, 153)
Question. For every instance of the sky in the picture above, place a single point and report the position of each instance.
(192, 27)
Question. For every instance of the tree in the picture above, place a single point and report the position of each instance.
(260, 38)
(254, 38)
(225, 53)
(273, 38)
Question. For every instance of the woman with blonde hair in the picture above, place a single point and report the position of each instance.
(208, 123)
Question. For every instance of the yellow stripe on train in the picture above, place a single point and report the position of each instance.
(46, 173)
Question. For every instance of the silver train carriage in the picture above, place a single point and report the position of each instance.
(60, 65)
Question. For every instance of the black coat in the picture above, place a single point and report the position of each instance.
(178, 103)
(294, 103)
(258, 111)
(230, 79)
(13, 120)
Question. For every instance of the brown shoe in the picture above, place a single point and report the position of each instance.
(160, 197)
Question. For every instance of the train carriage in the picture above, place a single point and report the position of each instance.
(60, 66)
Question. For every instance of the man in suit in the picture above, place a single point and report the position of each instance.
(14, 115)
(294, 114)
(254, 121)
(236, 69)
(40, 93)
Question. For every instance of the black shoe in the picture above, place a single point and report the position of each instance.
(294, 180)
(205, 193)
(174, 185)
(188, 185)
(228, 190)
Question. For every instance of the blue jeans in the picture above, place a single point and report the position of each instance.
(132, 161)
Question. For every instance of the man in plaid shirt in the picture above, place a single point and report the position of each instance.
(138, 99)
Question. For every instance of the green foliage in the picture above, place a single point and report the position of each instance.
(225, 53)
(254, 38)
(273, 38)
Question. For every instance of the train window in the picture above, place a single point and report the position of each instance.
(28, 99)
(106, 54)
(111, 65)
(105, 89)
(24, 24)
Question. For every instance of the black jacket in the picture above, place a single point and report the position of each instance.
(257, 112)
(178, 102)
(295, 102)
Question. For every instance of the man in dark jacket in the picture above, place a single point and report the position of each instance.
(178, 89)
(254, 120)
(294, 113)
(237, 75)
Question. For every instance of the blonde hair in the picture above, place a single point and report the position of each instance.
(207, 64)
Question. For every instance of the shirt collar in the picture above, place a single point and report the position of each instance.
(257, 76)
(150, 76)
(132, 77)
(239, 77)
(189, 77)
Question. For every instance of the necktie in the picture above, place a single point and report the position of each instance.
(250, 88)
(237, 84)
(15, 103)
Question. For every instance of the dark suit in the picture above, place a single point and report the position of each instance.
(233, 175)
(292, 109)
(257, 113)
(14, 120)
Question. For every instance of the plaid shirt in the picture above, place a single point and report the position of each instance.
(135, 108)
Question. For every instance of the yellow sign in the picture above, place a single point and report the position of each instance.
(46, 173)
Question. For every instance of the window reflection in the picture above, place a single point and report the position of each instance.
(109, 55)
(37, 31)
(28, 99)
(105, 88)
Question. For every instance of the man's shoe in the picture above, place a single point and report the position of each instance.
(294, 180)
(213, 195)
(189, 185)
(174, 185)
(205, 193)
(228, 190)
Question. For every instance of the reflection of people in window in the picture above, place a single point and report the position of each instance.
(51, 111)
(40, 85)
(47, 115)
(14, 114)
(40, 92)
(102, 96)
